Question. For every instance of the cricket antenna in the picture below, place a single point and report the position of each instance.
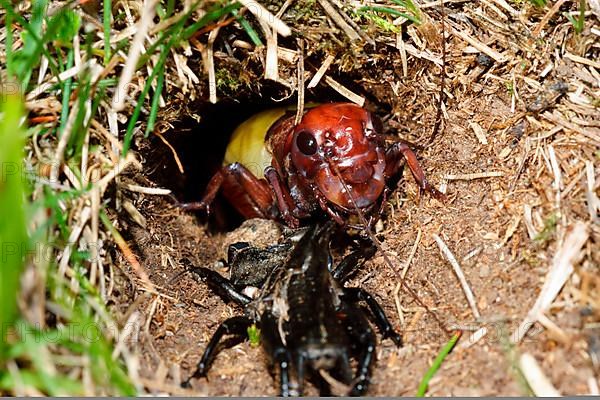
(384, 253)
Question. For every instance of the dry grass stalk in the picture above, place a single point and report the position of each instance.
(300, 77)
(400, 45)
(506, 6)
(547, 17)
(424, 54)
(473, 338)
(557, 118)
(272, 58)
(96, 267)
(554, 330)
(480, 46)
(132, 259)
(173, 151)
(460, 275)
(537, 380)
(413, 251)
(135, 215)
(62, 143)
(339, 20)
(118, 101)
(264, 15)
(84, 216)
(210, 66)
(531, 231)
(557, 184)
(478, 132)
(593, 386)
(123, 164)
(44, 87)
(470, 177)
(582, 60)
(593, 202)
(560, 270)
(321, 71)
(344, 91)
(146, 190)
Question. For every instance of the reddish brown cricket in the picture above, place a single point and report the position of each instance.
(273, 167)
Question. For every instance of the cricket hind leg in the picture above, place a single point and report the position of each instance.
(250, 196)
(354, 295)
(363, 343)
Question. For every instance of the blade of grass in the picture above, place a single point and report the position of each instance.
(31, 49)
(138, 107)
(66, 93)
(13, 229)
(437, 364)
(248, 28)
(210, 16)
(170, 8)
(106, 27)
(8, 41)
(409, 5)
(155, 101)
(579, 22)
(390, 11)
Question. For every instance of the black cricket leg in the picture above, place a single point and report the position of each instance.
(354, 261)
(220, 285)
(273, 345)
(363, 343)
(300, 364)
(379, 317)
(232, 326)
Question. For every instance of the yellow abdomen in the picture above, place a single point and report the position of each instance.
(247, 144)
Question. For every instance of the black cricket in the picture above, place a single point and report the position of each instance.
(308, 320)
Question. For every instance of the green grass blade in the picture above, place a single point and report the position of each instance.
(248, 28)
(13, 229)
(437, 364)
(210, 16)
(392, 12)
(8, 41)
(138, 107)
(106, 27)
(155, 100)
(538, 3)
(66, 93)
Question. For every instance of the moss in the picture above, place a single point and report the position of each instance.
(549, 228)
(226, 81)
